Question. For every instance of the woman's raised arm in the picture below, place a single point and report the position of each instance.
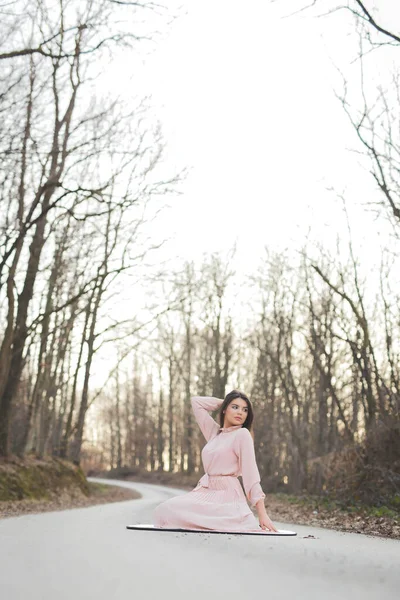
(202, 406)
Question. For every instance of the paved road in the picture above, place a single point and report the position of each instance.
(88, 553)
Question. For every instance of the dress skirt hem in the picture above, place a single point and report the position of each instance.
(219, 505)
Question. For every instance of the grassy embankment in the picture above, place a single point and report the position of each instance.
(32, 486)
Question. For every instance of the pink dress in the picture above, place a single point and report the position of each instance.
(218, 501)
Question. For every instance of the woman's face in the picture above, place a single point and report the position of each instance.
(236, 412)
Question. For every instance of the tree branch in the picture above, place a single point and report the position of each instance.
(368, 17)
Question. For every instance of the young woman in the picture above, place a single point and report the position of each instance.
(218, 501)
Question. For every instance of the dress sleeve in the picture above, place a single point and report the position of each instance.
(244, 448)
(201, 406)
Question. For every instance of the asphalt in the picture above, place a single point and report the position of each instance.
(88, 553)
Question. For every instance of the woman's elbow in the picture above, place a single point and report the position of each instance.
(194, 401)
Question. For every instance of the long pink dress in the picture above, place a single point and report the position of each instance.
(218, 501)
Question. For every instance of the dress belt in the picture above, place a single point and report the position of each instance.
(204, 481)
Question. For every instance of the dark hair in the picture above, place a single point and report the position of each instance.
(228, 399)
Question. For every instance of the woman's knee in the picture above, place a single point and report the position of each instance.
(161, 513)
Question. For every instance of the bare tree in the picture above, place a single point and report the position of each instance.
(56, 143)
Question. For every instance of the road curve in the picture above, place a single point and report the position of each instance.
(87, 553)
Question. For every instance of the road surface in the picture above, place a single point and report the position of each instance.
(88, 553)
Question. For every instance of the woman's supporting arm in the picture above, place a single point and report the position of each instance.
(251, 477)
(248, 467)
(202, 406)
(265, 521)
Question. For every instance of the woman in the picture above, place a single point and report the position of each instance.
(218, 501)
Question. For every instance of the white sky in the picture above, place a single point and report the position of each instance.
(246, 99)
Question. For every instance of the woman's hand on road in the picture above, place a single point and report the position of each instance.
(266, 523)
(263, 518)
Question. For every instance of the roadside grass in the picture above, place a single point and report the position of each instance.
(328, 504)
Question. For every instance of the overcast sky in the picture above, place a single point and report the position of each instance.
(246, 98)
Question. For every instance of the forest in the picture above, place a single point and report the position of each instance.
(311, 335)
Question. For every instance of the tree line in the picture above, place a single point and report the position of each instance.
(77, 169)
(312, 338)
(319, 358)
